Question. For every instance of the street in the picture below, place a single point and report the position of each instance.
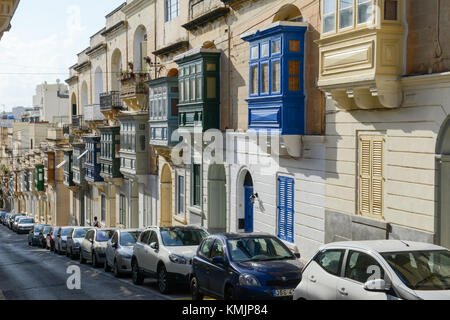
(29, 273)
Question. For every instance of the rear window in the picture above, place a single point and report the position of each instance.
(26, 221)
(104, 235)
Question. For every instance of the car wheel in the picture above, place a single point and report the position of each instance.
(229, 293)
(106, 266)
(195, 290)
(163, 281)
(82, 259)
(116, 269)
(137, 276)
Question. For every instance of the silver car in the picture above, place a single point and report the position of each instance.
(93, 246)
(61, 240)
(119, 251)
(74, 241)
(166, 253)
(376, 270)
(24, 225)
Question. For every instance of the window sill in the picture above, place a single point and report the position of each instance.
(195, 210)
(180, 220)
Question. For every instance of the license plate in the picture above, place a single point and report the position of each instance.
(283, 292)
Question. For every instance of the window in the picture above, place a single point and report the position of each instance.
(122, 211)
(294, 45)
(276, 46)
(364, 11)
(103, 207)
(294, 75)
(181, 195)
(330, 261)
(286, 209)
(371, 176)
(276, 76)
(211, 87)
(329, 16)
(153, 238)
(254, 52)
(265, 49)
(206, 248)
(172, 8)
(254, 79)
(145, 236)
(390, 10)
(196, 185)
(345, 13)
(265, 78)
(217, 250)
(360, 267)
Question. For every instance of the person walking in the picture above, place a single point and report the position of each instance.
(96, 223)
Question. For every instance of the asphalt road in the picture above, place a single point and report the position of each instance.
(31, 273)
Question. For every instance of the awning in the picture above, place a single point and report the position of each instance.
(61, 164)
(82, 155)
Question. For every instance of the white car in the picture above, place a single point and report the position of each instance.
(376, 270)
(166, 253)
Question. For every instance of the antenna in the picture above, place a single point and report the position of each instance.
(406, 244)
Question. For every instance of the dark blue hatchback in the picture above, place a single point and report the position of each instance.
(244, 267)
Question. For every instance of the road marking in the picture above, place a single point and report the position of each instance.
(2, 296)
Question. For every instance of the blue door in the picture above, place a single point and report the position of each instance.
(248, 209)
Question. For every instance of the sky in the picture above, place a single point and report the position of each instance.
(43, 43)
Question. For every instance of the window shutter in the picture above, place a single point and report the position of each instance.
(143, 55)
(371, 176)
(286, 209)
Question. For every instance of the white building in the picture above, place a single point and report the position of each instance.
(52, 101)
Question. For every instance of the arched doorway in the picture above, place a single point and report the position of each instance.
(116, 69)
(140, 49)
(84, 95)
(73, 102)
(245, 193)
(217, 199)
(166, 197)
(98, 85)
(442, 225)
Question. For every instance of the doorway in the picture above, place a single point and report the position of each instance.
(166, 197)
(217, 199)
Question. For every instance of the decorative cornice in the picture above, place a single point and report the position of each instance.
(116, 10)
(206, 17)
(135, 6)
(118, 26)
(96, 49)
(172, 48)
(72, 79)
(84, 65)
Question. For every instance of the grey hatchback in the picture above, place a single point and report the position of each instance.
(119, 251)
(93, 246)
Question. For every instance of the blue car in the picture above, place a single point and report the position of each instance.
(244, 267)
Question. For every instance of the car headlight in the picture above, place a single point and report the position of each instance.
(177, 259)
(248, 280)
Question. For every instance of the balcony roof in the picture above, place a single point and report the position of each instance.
(206, 17)
(114, 28)
(172, 48)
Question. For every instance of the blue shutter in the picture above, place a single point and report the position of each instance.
(286, 208)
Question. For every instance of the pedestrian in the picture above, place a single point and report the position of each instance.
(96, 223)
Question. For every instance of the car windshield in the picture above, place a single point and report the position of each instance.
(46, 230)
(38, 228)
(182, 237)
(26, 221)
(421, 270)
(129, 238)
(66, 232)
(258, 249)
(104, 235)
(79, 233)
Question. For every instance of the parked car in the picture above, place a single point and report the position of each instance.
(12, 218)
(61, 239)
(377, 270)
(33, 235)
(43, 236)
(245, 267)
(119, 250)
(166, 253)
(2, 216)
(74, 241)
(51, 236)
(16, 221)
(93, 246)
(24, 225)
(6, 219)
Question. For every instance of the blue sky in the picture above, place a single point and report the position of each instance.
(43, 42)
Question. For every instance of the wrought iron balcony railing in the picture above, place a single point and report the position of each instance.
(110, 101)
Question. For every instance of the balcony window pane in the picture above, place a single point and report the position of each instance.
(294, 67)
(264, 78)
(254, 79)
(211, 88)
(265, 49)
(276, 76)
(345, 13)
(254, 53)
(199, 88)
(182, 91)
(329, 6)
(390, 10)
(211, 67)
(294, 45)
(192, 88)
(186, 90)
(276, 46)
(364, 11)
(329, 15)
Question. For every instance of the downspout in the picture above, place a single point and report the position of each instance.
(155, 32)
(230, 105)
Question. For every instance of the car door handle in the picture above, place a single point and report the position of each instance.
(343, 292)
(312, 279)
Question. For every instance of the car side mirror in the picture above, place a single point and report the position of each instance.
(218, 260)
(115, 245)
(154, 245)
(297, 255)
(91, 240)
(377, 285)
